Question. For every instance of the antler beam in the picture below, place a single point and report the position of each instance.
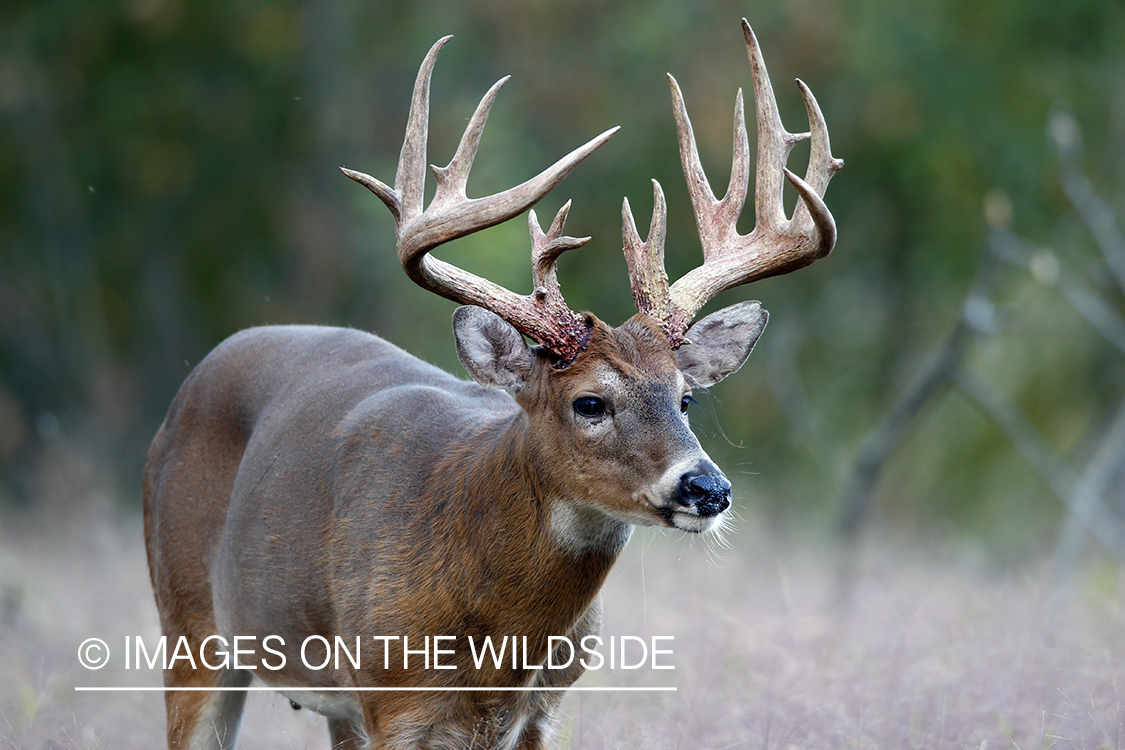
(542, 315)
(777, 244)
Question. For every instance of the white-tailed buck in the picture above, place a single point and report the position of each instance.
(321, 482)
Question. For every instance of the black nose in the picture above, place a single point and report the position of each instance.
(709, 494)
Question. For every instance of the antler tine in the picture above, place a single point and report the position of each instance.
(451, 218)
(774, 141)
(406, 198)
(822, 165)
(711, 214)
(410, 178)
(546, 247)
(453, 178)
(811, 205)
(451, 214)
(645, 259)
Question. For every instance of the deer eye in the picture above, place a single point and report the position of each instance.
(685, 402)
(589, 406)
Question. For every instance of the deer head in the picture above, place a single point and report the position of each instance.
(597, 385)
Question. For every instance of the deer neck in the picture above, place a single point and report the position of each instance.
(530, 541)
(566, 527)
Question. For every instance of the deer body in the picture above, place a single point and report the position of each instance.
(321, 505)
(280, 468)
(319, 483)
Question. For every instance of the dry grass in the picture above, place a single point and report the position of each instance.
(768, 653)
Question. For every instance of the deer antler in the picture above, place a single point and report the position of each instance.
(542, 315)
(777, 244)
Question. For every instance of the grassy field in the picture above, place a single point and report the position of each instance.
(770, 651)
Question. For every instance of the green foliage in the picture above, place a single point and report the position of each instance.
(168, 176)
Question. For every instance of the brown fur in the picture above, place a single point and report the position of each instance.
(317, 481)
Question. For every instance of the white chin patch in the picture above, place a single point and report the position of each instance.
(693, 523)
(581, 529)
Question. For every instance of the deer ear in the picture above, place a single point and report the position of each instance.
(494, 353)
(720, 343)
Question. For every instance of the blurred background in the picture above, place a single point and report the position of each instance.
(953, 372)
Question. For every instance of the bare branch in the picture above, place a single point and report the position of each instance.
(936, 372)
(1085, 300)
(877, 447)
(1097, 215)
(1081, 496)
(807, 423)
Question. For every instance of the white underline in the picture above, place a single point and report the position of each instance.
(258, 688)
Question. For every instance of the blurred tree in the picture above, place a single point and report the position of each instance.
(168, 176)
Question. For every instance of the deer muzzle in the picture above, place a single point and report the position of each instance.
(704, 490)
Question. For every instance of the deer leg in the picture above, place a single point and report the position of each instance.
(204, 720)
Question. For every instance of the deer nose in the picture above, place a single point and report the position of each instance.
(709, 494)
